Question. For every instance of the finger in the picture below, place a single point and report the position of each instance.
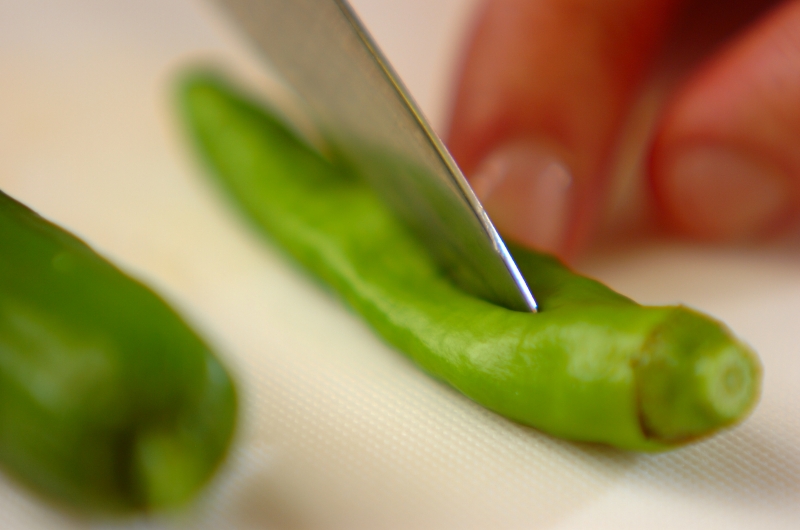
(726, 162)
(542, 94)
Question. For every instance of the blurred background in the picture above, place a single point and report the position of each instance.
(338, 430)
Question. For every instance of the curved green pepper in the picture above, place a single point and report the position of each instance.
(592, 365)
(108, 401)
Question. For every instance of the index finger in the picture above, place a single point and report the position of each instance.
(542, 94)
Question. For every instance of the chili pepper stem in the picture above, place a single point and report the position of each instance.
(693, 374)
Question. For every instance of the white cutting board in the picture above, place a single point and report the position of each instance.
(339, 431)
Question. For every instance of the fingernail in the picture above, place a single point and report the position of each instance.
(526, 191)
(719, 193)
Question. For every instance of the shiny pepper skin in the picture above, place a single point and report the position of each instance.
(592, 365)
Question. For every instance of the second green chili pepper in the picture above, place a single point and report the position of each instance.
(109, 402)
(592, 365)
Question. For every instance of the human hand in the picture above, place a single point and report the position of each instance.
(547, 86)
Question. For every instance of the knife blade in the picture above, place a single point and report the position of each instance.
(327, 56)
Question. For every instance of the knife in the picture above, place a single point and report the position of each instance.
(363, 110)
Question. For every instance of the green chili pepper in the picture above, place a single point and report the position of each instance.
(108, 401)
(592, 365)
